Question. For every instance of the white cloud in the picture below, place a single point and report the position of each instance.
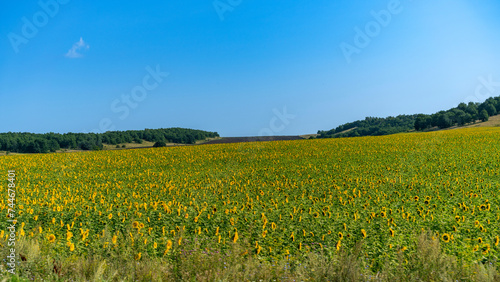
(78, 46)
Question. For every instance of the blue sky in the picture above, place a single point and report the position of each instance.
(239, 67)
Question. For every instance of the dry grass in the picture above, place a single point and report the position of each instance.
(493, 121)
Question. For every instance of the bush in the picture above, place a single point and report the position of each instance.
(160, 144)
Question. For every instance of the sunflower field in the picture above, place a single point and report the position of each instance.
(281, 198)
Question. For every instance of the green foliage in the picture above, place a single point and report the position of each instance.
(372, 126)
(160, 144)
(51, 142)
(484, 116)
(460, 115)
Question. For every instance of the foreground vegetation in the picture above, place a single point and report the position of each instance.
(190, 262)
(258, 206)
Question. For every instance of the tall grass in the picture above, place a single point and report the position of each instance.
(194, 261)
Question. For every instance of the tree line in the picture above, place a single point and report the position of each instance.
(371, 126)
(460, 115)
(50, 142)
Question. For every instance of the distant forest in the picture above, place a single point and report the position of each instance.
(460, 115)
(371, 126)
(51, 142)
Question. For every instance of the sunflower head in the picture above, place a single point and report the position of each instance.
(480, 240)
(135, 224)
(363, 232)
(52, 238)
(445, 237)
(138, 256)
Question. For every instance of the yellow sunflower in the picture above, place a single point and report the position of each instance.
(138, 256)
(363, 232)
(445, 237)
